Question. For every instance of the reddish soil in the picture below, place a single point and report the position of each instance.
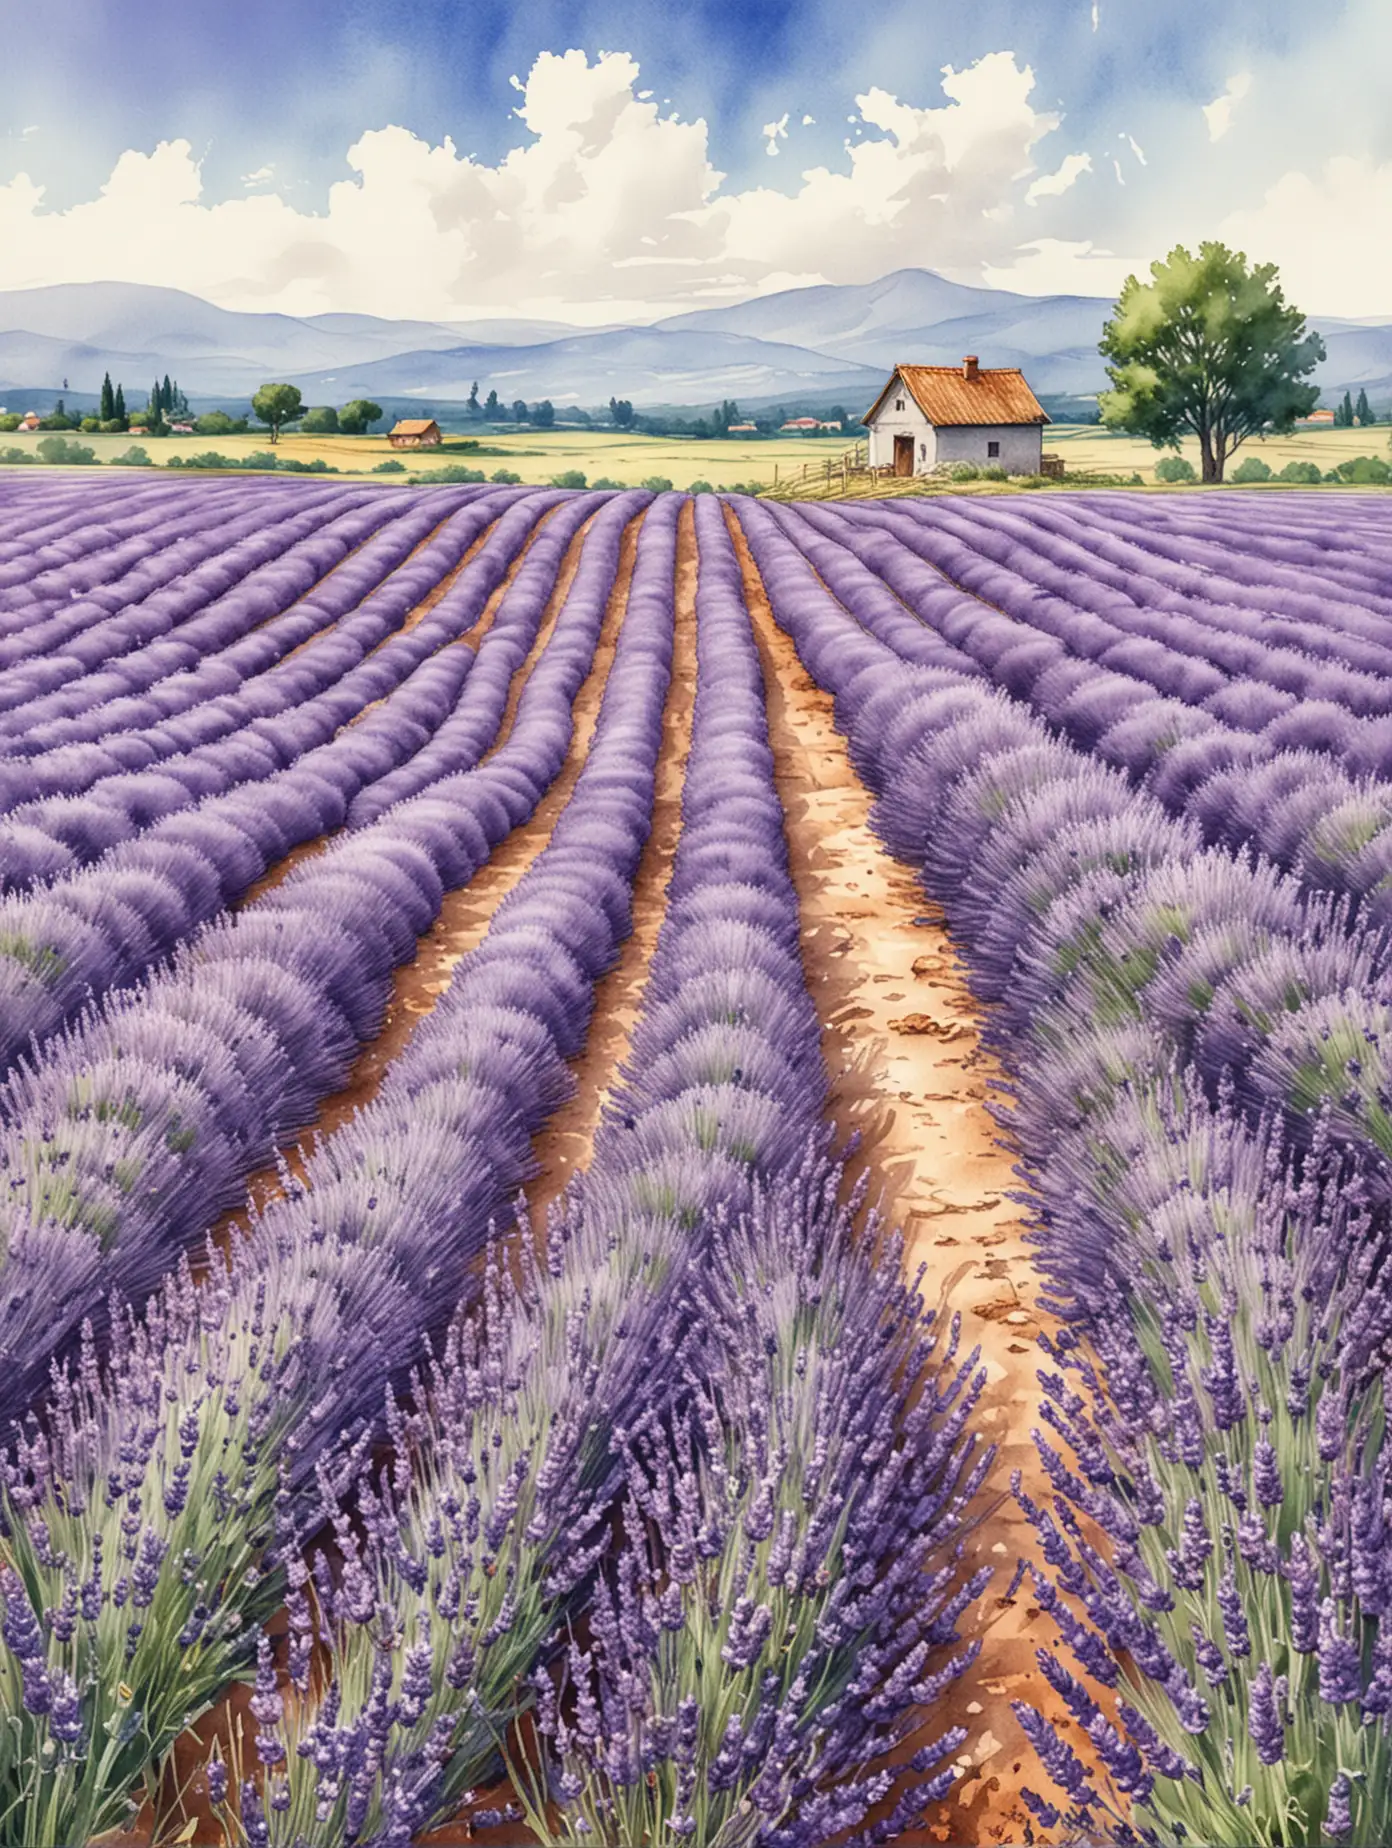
(466, 914)
(309, 850)
(901, 1035)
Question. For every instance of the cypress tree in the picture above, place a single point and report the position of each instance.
(108, 400)
(166, 395)
(120, 403)
(1344, 414)
(1363, 411)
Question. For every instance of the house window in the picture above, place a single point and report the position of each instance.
(993, 449)
(898, 404)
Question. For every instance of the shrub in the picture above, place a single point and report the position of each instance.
(10, 421)
(994, 472)
(207, 458)
(61, 451)
(964, 471)
(1364, 469)
(505, 477)
(1175, 468)
(90, 426)
(700, 487)
(393, 467)
(451, 472)
(218, 423)
(1253, 469)
(15, 454)
(1331, 474)
(289, 465)
(569, 478)
(260, 458)
(605, 481)
(656, 484)
(134, 457)
(1300, 471)
(57, 420)
(113, 426)
(320, 420)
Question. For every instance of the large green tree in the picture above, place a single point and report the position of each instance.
(277, 405)
(1208, 347)
(358, 415)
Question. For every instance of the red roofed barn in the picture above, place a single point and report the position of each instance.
(928, 416)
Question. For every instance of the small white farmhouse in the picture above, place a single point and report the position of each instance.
(928, 415)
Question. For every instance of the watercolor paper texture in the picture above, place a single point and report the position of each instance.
(695, 924)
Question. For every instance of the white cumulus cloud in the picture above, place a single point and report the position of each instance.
(1050, 185)
(774, 132)
(609, 207)
(1315, 228)
(1219, 113)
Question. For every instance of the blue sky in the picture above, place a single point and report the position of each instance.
(1101, 141)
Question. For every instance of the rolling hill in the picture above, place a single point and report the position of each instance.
(823, 344)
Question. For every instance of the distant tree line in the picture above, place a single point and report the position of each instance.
(1347, 414)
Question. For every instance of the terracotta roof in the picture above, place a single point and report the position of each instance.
(413, 426)
(997, 395)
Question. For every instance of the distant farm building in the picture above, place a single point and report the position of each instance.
(414, 433)
(800, 426)
(182, 429)
(29, 421)
(1317, 417)
(741, 429)
(930, 416)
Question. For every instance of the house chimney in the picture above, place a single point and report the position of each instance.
(969, 368)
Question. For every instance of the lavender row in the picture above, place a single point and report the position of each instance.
(106, 926)
(105, 547)
(643, 1287)
(1101, 560)
(337, 1285)
(84, 634)
(1281, 555)
(140, 1126)
(241, 634)
(1295, 805)
(1087, 674)
(65, 543)
(275, 718)
(50, 517)
(1226, 1281)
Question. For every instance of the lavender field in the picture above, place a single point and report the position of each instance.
(462, 1374)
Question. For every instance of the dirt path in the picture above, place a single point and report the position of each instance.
(417, 985)
(472, 638)
(466, 913)
(902, 1044)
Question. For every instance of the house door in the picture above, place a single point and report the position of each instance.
(903, 455)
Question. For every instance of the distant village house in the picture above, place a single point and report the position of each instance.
(1317, 417)
(414, 433)
(740, 429)
(930, 416)
(29, 421)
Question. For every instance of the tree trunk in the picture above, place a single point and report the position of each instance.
(1211, 460)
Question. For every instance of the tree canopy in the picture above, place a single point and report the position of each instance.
(277, 405)
(1210, 347)
(358, 415)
